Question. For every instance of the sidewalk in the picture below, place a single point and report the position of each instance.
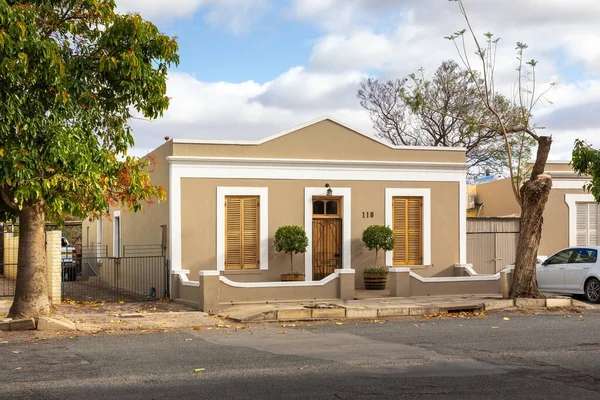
(381, 307)
(160, 315)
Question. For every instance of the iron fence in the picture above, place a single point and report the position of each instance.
(115, 279)
(8, 264)
(143, 250)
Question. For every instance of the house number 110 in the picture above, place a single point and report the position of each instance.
(368, 214)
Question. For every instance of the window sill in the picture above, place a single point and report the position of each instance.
(241, 271)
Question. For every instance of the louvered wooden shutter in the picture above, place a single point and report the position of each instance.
(241, 225)
(407, 227)
(587, 224)
(250, 233)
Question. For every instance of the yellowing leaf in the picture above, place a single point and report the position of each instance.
(18, 368)
(197, 328)
(506, 319)
(1, 152)
(339, 323)
(495, 327)
(282, 332)
(199, 369)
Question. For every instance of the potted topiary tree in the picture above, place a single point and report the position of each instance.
(291, 239)
(377, 237)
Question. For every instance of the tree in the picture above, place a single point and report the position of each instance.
(291, 239)
(533, 194)
(378, 237)
(71, 74)
(437, 112)
(586, 161)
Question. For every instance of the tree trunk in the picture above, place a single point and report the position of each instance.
(31, 294)
(534, 196)
(292, 262)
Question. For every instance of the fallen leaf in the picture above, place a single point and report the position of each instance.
(288, 325)
(199, 369)
(339, 323)
(16, 352)
(506, 319)
(495, 327)
(197, 328)
(303, 367)
(282, 332)
(4, 342)
(18, 368)
(188, 340)
(121, 302)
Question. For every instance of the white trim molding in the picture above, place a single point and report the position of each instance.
(346, 195)
(474, 278)
(322, 282)
(390, 193)
(116, 250)
(263, 194)
(572, 200)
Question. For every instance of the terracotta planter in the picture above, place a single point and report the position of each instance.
(375, 281)
(292, 277)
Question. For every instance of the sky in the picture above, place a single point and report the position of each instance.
(252, 68)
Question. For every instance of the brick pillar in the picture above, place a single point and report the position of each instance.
(399, 281)
(53, 266)
(209, 290)
(346, 283)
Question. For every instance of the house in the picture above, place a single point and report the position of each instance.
(226, 199)
(571, 217)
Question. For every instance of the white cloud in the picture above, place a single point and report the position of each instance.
(236, 15)
(390, 39)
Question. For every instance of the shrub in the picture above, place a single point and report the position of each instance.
(378, 237)
(291, 239)
(375, 271)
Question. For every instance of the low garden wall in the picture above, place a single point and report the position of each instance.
(212, 291)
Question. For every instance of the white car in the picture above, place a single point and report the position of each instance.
(575, 270)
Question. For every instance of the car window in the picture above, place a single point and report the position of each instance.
(584, 256)
(562, 257)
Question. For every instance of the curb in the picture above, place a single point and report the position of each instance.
(330, 312)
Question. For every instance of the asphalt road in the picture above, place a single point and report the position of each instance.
(525, 357)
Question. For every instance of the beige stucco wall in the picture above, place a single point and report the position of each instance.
(142, 227)
(324, 140)
(498, 201)
(230, 294)
(286, 207)
(497, 198)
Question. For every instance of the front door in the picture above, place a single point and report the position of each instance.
(327, 236)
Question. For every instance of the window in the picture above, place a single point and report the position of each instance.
(584, 256)
(561, 257)
(326, 207)
(241, 232)
(407, 226)
(587, 224)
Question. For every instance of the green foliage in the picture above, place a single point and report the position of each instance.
(378, 237)
(291, 239)
(586, 161)
(382, 271)
(71, 74)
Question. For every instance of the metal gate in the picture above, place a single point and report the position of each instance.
(492, 243)
(8, 262)
(97, 277)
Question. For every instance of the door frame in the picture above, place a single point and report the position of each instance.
(329, 218)
(346, 195)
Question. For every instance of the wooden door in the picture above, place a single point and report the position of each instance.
(327, 247)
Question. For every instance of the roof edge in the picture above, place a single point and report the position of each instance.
(307, 124)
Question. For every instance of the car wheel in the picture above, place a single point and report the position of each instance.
(592, 290)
